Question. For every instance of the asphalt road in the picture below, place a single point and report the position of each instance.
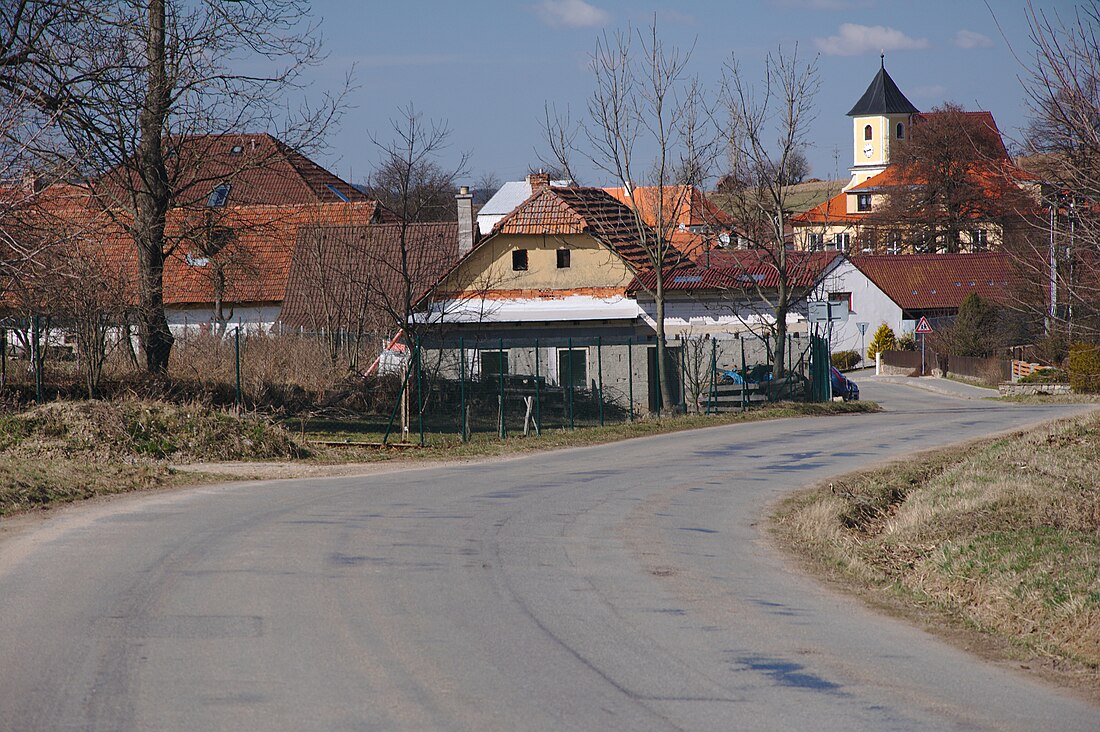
(622, 587)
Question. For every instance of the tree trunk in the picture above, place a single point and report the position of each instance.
(664, 381)
(152, 199)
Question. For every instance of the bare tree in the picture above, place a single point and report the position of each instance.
(419, 189)
(768, 124)
(648, 129)
(1063, 87)
(137, 88)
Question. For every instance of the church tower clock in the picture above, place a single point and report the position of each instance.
(880, 117)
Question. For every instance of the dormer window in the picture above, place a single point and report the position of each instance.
(863, 202)
(867, 134)
(219, 196)
(901, 131)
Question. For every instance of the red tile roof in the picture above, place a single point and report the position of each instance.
(577, 210)
(258, 168)
(338, 269)
(684, 206)
(932, 281)
(833, 211)
(742, 269)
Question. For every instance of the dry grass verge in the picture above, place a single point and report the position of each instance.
(999, 540)
(67, 451)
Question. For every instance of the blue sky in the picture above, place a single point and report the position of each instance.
(488, 68)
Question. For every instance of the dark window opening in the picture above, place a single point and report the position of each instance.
(863, 202)
(519, 260)
(867, 132)
(901, 131)
(573, 367)
(563, 259)
(494, 363)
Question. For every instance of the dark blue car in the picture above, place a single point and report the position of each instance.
(844, 387)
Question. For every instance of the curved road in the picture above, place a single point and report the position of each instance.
(621, 587)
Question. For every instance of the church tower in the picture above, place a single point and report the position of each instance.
(881, 116)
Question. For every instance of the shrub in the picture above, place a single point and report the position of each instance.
(845, 360)
(884, 340)
(1084, 368)
(907, 342)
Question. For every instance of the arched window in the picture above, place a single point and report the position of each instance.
(901, 131)
(867, 132)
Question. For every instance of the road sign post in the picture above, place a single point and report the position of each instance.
(923, 328)
(862, 340)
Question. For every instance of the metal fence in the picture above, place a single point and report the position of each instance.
(506, 386)
(454, 386)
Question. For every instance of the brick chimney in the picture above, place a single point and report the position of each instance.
(465, 220)
(538, 181)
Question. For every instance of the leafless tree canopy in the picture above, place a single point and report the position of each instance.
(1063, 87)
(768, 122)
(646, 127)
(129, 85)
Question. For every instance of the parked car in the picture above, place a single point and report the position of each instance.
(756, 374)
(843, 386)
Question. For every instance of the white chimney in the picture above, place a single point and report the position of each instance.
(465, 220)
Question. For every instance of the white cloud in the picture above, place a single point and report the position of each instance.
(571, 13)
(854, 39)
(972, 39)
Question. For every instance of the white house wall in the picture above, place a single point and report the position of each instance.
(195, 320)
(869, 305)
(703, 317)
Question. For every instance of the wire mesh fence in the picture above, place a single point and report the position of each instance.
(420, 389)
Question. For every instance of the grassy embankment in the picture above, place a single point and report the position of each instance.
(68, 451)
(996, 544)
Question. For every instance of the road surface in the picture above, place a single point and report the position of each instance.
(620, 587)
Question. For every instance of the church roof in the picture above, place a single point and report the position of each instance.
(882, 97)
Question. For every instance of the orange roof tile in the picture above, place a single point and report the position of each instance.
(930, 281)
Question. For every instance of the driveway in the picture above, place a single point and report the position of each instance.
(620, 587)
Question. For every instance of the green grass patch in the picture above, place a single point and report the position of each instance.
(1001, 536)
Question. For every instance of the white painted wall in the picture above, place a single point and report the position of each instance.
(869, 305)
(194, 320)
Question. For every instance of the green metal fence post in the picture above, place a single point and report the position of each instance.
(36, 351)
(538, 392)
(683, 388)
(569, 370)
(713, 405)
(3, 358)
(419, 391)
(790, 381)
(744, 384)
(500, 395)
(462, 388)
(599, 369)
(237, 358)
(630, 373)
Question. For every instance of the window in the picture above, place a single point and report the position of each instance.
(901, 131)
(563, 259)
(519, 260)
(844, 297)
(979, 240)
(893, 242)
(493, 363)
(573, 367)
(219, 196)
(338, 193)
(863, 202)
(841, 241)
(867, 132)
(813, 241)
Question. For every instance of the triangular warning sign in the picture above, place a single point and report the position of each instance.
(923, 326)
